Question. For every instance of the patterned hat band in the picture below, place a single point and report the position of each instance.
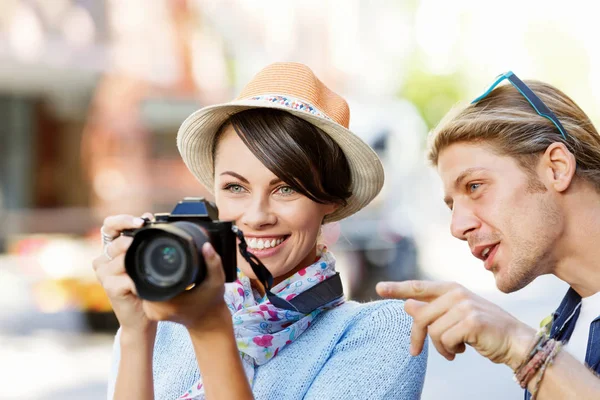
(291, 103)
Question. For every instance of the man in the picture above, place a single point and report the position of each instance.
(523, 187)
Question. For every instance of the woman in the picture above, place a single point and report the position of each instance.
(281, 162)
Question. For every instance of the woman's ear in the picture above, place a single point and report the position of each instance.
(330, 208)
(560, 165)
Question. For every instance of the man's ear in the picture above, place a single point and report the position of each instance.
(560, 165)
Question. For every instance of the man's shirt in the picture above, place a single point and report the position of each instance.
(588, 312)
(563, 326)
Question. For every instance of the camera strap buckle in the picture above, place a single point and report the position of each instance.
(306, 302)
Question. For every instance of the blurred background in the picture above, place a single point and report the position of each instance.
(92, 93)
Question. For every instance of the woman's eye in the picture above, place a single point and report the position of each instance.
(234, 188)
(473, 187)
(286, 190)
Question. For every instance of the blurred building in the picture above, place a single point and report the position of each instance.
(92, 94)
(51, 56)
(89, 111)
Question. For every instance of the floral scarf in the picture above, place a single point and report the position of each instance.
(262, 330)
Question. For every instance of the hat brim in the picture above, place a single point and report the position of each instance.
(195, 143)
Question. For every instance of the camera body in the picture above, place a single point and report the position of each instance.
(165, 257)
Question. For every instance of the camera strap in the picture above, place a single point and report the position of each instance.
(306, 302)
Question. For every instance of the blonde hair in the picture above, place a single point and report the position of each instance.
(506, 122)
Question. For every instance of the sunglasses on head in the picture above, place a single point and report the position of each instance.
(537, 104)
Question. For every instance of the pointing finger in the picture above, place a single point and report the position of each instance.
(418, 290)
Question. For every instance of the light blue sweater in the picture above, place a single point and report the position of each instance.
(355, 351)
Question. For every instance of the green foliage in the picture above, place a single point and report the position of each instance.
(433, 95)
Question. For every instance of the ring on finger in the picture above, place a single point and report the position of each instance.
(106, 239)
(110, 258)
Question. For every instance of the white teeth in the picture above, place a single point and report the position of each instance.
(260, 244)
(485, 252)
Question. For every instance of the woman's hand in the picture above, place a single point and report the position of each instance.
(118, 285)
(198, 309)
(205, 315)
(201, 309)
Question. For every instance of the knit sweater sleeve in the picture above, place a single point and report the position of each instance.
(114, 368)
(371, 360)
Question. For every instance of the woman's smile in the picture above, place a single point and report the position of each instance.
(265, 246)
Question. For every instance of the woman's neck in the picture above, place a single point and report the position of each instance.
(306, 261)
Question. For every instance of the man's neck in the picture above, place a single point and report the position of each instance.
(579, 248)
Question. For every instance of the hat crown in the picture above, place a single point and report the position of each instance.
(298, 81)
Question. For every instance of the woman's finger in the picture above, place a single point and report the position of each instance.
(118, 286)
(112, 259)
(119, 246)
(114, 267)
(112, 251)
(114, 224)
(148, 216)
(213, 264)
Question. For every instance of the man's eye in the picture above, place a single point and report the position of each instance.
(473, 187)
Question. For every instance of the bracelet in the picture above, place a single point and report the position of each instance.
(538, 362)
(541, 337)
(532, 367)
(549, 361)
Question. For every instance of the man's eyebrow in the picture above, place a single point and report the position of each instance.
(465, 174)
(457, 183)
(238, 176)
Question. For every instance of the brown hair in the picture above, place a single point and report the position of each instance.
(508, 123)
(297, 152)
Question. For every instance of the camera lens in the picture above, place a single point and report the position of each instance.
(165, 258)
(164, 261)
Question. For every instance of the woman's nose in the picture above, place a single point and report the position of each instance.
(259, 214)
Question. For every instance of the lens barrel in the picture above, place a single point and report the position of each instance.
(165, 258)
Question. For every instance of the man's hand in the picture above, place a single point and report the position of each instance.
(453, 316)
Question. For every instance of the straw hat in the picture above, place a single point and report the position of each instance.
(293, 88)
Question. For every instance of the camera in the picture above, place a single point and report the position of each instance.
(165, 257)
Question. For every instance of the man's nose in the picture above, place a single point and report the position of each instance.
(463, 222)
(259, 214)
